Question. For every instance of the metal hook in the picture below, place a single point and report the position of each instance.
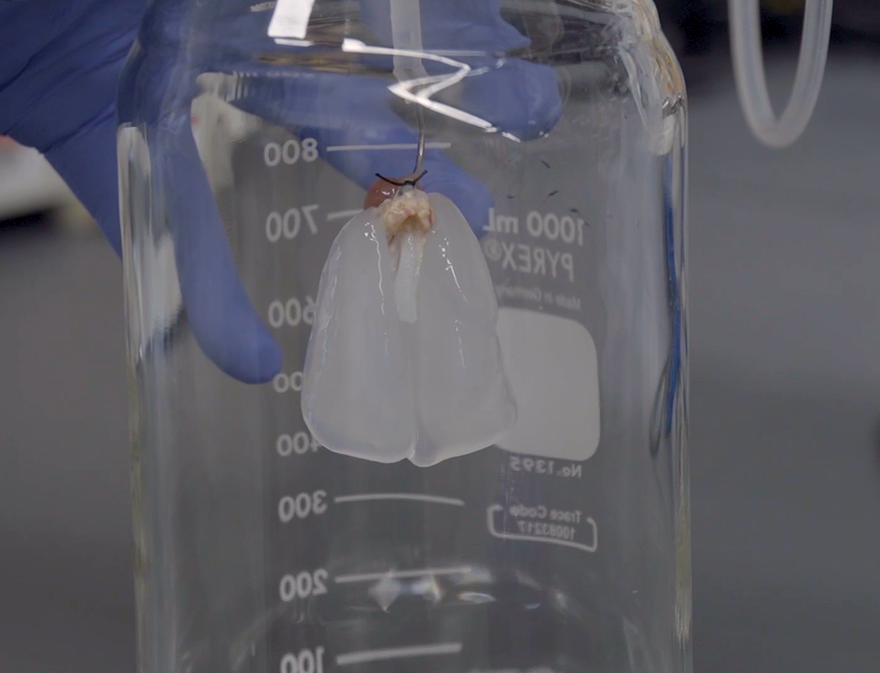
(420, 152)
(411, 183)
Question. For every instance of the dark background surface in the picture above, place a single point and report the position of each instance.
(785, 397)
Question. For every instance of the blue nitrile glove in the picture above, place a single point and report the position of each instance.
(57, 92)
(59, 64)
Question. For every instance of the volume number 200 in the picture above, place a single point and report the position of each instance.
(303, 585)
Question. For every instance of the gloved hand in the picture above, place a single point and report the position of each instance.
(59, 66)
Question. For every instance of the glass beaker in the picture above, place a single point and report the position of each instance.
(249, 133)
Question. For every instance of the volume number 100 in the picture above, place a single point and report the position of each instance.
(306, 661)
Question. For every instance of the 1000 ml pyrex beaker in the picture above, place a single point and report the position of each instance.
(558, 130)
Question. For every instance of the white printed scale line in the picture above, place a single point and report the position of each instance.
(416, 497)
(397, 653)
(343, 214)
(391, 146)
(490, 515)
(400, 574)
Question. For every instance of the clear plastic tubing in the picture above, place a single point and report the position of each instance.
(748, 67)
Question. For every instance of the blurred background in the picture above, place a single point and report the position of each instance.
(785, 371)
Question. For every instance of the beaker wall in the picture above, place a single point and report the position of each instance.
(563, 547)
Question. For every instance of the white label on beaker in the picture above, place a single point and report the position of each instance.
(552, 369)
(291, 18)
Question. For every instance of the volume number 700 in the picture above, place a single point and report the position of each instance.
(287, 225)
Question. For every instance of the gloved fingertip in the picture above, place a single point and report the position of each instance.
(256, 367)
(269, 361)
(221, 315)
(247, 353)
